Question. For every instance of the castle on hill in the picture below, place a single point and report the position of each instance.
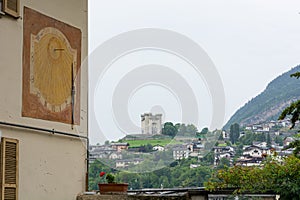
(151, 124)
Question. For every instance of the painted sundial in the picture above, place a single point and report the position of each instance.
(51, 69)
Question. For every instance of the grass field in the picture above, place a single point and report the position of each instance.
(162, 142)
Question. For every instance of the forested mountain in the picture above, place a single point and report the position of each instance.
(268, 105)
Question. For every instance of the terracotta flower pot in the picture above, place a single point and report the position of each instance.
(106, 188)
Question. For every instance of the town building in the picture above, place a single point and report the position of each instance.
(128, 162)
(151, 124)
(120, 146)
(254, 155)
(180, 153)
(260, 144)
(249, 161)
(43, 105)
(256, 151)
(225, 135)
(287, 141)
(98, 152)
(158, 148)
(196, 146)
(223, 152)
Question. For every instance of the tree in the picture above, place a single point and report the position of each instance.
(191, 129)
(234, 133)
(269, 142)
(181, 129)
(169, 129)
(204, 130)
(221, 137)
(261, 137)
(224, 162)
(146, 148)
(282, 178)
(294, 111)
(279, 140)
(209, 158)
(247, 139)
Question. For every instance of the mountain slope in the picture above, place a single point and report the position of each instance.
(268, 105)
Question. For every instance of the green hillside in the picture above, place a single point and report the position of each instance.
(269, 104)
(138, 143)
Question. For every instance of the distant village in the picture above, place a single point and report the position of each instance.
(268, 139)
(277, 132)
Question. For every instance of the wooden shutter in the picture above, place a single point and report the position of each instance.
(9, 169)
(12, 7)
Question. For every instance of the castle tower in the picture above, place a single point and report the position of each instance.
(151, 124)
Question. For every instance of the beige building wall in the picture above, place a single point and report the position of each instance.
(50, 166)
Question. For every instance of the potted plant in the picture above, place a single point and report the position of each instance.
(111, 186)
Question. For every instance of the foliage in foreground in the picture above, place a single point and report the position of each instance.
(294, 111)
(281, 178)
(178, 174)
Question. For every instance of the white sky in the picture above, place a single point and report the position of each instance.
(250, 42)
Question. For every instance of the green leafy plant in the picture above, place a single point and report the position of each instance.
(110, 178)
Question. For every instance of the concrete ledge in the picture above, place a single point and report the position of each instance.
(174, 194)
(102, 197)
(134, 197)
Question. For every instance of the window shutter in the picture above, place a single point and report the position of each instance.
(9, 169)
(12, 7)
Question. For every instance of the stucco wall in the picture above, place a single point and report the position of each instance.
(51, 166)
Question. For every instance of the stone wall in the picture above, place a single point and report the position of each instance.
(175, 196)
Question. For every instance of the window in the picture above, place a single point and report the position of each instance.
(1, 13)
(9, 167)
(11, 7)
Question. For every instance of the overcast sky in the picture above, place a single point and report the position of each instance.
(250, 42)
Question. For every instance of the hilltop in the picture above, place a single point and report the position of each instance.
(268, 105)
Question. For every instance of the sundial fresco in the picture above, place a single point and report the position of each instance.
(51, 73)
(51, 63)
